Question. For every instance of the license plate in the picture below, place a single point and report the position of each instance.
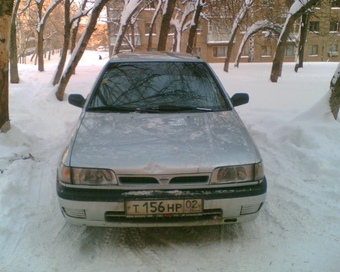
(163, 207)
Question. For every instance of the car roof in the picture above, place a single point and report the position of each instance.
(154, 56)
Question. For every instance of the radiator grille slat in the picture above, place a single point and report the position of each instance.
(190, 179)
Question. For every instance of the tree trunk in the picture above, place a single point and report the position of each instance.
(14, 74)
(303, 37)
(80, 50)
(40, 38)
(334, 100)
(175, 40)
(67, 30)
(229, 49)
(5, 22)
(193, 29)
(280, 50)
(165, 25)
(74, 32)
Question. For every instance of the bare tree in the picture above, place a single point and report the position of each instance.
(14, 74)
(296, 10)
(67, 33)
(6, 7)
(129, 9)
(75, 25)
(181, 23)
(80, 48)
(238, 20)
(168, 10)
(25, 31)
(42, 18)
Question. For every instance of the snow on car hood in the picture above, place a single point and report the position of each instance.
(166, 143)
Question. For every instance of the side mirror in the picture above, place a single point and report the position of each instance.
(239, 99)
(76, 100)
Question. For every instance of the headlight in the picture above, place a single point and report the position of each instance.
(86, 176)
(237, 173)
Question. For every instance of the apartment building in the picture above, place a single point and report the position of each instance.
(212, 37)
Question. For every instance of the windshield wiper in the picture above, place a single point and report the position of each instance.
(112, 109)
(173, 108)
(160, 108)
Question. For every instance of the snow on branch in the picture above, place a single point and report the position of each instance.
(129, 9)
(256, 27)
(181, 24)
(241, 14)
(28, 3)
(197, 4)
(294, 9)
(50, 8)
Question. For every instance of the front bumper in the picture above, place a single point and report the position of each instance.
(106, 208)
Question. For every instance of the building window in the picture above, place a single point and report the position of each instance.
(210, 26)
(199, 28)
(266, 51)
(148, 28)
(314, 26)
(333, 50)
(333, 26)
(290, 50)
(313, 50)
(219, 51)
(267, 2)
(246, 51)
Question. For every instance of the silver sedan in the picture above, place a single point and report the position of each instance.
(159, 143)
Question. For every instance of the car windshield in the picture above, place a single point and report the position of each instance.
(158, 86)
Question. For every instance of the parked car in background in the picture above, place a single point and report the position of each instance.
(159, 143)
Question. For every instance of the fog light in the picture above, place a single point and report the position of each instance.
(248, 209)
(77, 213)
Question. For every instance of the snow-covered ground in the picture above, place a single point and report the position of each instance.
(298, 228)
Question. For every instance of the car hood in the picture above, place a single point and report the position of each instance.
(142, 143)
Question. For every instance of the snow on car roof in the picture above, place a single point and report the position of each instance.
(154, 56)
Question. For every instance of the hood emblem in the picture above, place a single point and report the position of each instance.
(164, 180)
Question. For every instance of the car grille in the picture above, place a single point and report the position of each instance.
(119, 217)
(137, 180)
(195, 179)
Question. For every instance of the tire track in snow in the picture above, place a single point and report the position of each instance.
(139, 246)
